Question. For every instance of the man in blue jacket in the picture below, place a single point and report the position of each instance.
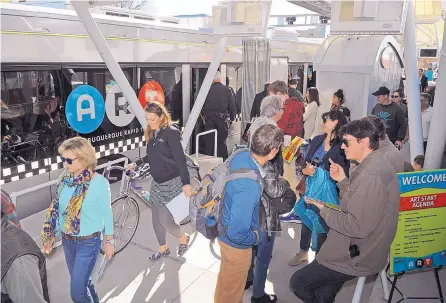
(240, 215)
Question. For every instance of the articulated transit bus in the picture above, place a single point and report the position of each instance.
(46, 54)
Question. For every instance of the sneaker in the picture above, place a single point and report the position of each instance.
(158, 255)
(290, 217)
(182, 248)
(299, 258)
(266, 298)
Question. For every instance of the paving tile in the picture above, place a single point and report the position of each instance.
(200, 291)
(130, 277)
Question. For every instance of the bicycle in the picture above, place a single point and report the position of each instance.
(125, 208)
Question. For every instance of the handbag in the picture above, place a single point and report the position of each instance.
(245, 136)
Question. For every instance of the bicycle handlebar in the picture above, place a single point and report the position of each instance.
(133, 174)
(108, 170)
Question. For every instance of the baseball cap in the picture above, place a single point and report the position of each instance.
(382, 91)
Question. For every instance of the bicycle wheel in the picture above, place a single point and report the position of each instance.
(125, 221)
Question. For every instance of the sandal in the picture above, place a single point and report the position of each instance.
(182, 248)
(158, 255)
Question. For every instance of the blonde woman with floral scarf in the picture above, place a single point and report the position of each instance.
(80, 212)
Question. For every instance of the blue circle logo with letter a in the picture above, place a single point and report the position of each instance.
(85, 109)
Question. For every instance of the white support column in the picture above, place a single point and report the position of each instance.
(186, 89)
(437, 132)
(204, 90)
(438, 39)
(224, 73)
(305, 79)
(82, 10)
(413, 86)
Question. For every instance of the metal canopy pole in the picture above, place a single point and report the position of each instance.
(204, 90)
(437, 132)
(413, 86)
(82, 10)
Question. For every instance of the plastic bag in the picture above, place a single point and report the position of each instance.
(319, 187)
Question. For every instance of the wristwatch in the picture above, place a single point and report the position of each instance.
(112, 241)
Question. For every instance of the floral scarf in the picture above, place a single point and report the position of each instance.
(72, 214)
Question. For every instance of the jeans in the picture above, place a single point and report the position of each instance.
(263, 256)
(316, 283)
(81, 256)
(305, 238)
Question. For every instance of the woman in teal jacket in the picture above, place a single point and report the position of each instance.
(80, 212)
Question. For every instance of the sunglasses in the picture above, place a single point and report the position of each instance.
(395, 96)
(67, 160)
(345, 142)
(325, 119)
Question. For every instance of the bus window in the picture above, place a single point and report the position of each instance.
(31, 105)
(162, 85)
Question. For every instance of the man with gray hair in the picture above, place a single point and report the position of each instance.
(219, 110)
(270, 112)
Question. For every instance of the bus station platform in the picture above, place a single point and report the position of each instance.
(132, 277)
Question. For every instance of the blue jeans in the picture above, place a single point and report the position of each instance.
(263, 257)
(81, 256)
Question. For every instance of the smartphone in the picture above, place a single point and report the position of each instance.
(332, 206)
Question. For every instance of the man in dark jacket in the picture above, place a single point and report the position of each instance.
(292, 90)
(277, 198)
(24, 277)
(219, 111)
(255, 110)
(423, 80)
(393, 116)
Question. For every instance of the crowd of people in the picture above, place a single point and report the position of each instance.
(355, 161)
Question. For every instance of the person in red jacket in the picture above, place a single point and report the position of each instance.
(292, 119)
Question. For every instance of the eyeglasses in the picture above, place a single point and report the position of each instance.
(395, 96)
(67, 160)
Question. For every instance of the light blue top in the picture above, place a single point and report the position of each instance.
(96, 212)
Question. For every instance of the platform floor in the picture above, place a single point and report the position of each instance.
(131, 277)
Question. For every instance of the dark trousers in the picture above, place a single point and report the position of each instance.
(316, 283)
(305, 238)
(215, 122)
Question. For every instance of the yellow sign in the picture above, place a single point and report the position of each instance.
(420, 240)
(291, 150)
